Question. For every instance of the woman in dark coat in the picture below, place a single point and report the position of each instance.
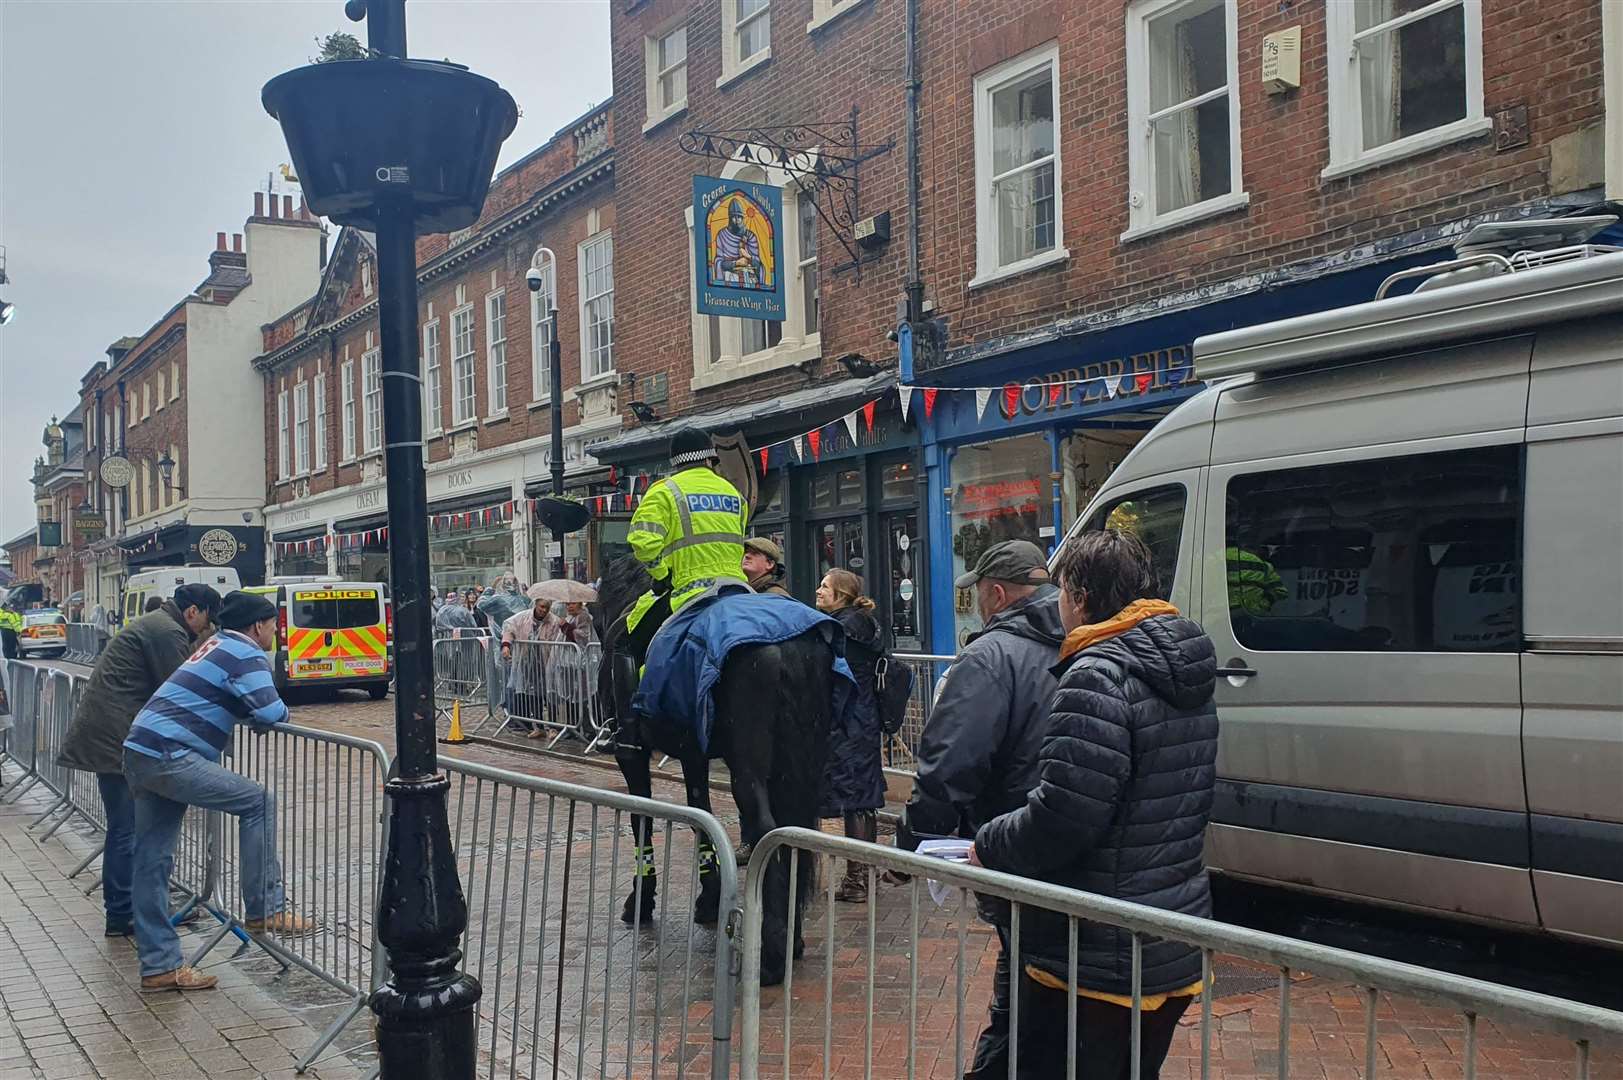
(854, 778)
(1120, 809)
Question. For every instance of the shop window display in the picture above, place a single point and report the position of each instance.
(1001, 492)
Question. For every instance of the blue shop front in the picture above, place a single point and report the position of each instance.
(1063, 409)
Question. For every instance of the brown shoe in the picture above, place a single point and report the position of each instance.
(182, 978)
(283, 922)
(854, 888)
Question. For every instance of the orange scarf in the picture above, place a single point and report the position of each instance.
(1119, 623)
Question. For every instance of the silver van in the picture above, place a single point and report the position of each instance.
(1402, 524)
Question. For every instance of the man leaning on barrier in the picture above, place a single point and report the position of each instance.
(977, 756)
(172, 762)
(130, 668)
(1120, 810)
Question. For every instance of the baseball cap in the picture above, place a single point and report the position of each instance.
(1019, 562)
(763, 545)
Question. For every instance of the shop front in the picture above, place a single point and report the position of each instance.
(471, 540)
(300, 552)
(183, 543)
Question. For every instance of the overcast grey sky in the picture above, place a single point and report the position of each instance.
(131, 132)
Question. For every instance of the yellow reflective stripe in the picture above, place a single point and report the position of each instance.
(648, 527)
(682, 510)
(707, 538)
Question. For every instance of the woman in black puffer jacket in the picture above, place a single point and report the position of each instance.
(854, 778)
(1126, 789)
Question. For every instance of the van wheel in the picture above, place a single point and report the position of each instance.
(378, 692)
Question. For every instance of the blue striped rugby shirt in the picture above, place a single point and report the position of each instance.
(226, 681)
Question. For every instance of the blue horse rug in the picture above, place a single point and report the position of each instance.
(686, 656)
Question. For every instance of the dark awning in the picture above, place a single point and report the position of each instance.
(761, 421)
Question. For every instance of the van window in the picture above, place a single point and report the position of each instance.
(1408, 554)
(1155, 517)
(339, 609)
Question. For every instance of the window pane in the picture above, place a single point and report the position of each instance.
(1191, 150)
(1188, 54)
(673, 87)
(1415, 554)
(806, 209)
(848, 487)
(1412, 79)
(755, 35)
(713, 331)
(1155, 517)
(1025, 212)
(822, 492)
(1022, 122)
(758, 336)
(898, 481)
(673, 48)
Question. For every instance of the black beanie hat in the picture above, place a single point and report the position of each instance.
(240, 610)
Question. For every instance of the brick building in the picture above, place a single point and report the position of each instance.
(59, 491)
(484, 361)
(1098, 186)
(20, 551)
(177, 395)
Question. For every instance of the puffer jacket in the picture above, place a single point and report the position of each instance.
(854, 777)
(1126, 784)
(977, 757)
(138, 660)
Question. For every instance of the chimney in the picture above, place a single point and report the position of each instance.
(219, 241)
(236, 241)
(273, 206)
(287, 207)
(259, 204)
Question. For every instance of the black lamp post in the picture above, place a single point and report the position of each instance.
(556, 512)
(396, 145)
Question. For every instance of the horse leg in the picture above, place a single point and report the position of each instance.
(696, 774)
(635, 767)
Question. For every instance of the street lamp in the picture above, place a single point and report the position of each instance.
(166, 470)
(558, 513)
(394, 145)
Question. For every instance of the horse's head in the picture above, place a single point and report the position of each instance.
(624, 579)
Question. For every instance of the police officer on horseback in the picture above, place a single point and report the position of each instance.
(688, 532)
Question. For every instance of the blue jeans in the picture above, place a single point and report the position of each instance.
(164, 788)
(117, 860)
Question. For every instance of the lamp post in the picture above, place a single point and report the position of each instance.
(394, 145)
(166, 470)
(555, 369)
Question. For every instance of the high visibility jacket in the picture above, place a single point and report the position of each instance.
(10, 620)
(1254, 585)
(689, 530)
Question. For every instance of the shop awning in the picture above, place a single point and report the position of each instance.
(760, 421)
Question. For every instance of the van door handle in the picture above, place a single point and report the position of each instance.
(1237, 672)
(327, 639)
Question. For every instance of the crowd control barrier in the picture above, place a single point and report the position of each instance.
(551, 684)
(466, 668)
(569, 989)
(85, 642)
(924, 927)
(901, 749)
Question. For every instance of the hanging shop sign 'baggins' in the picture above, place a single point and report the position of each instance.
(738, 248)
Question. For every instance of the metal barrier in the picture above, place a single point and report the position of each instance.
(1581, 1025)
(568, 989)
(552, 684)
(465, 670)
(85, 643)
(901, 749)
(22, 741)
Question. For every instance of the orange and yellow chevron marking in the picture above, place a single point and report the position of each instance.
(356, 642)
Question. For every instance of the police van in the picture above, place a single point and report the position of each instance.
(163, 582)
(335, 635)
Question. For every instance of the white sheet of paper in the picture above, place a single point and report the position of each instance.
(951, 849)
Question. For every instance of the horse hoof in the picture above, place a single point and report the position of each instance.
(639, 912)
(706, 910)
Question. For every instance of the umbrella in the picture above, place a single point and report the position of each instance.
(563, 590)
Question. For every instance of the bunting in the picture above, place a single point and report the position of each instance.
(851, 426)
(983, 398)
(867, 414)
(815, 438)
(929, 401)
(904, 396)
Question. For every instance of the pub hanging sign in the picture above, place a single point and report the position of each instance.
(738, 248)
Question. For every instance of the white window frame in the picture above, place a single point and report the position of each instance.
(795, 345)
(464, 400)
(496, 353)
(431, 377)
(174, 380)
(281, 437)
(734, 66)
(346, 379)
(1143, 218)
(1347, 154)
(653, 73)
(162, 394)
(301, 429)
(542, 301)
(587, 374)
(146, 400)
(320, 425)
(826, 11)
(372, 399)
(986, 238)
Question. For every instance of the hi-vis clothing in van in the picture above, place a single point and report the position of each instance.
(689, 532)
(1254, 585)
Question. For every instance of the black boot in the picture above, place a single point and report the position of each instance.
(859, 825)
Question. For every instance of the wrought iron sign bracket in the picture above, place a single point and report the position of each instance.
(826, 157)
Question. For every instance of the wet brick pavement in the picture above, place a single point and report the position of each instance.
(573, 992)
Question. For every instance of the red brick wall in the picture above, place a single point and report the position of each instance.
(1544, 55)
(164, 430)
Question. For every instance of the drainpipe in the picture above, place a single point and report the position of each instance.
(915, 281)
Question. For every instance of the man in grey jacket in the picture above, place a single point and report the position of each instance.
(978, 754)
(132, 666)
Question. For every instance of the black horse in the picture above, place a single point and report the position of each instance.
(773, 707)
